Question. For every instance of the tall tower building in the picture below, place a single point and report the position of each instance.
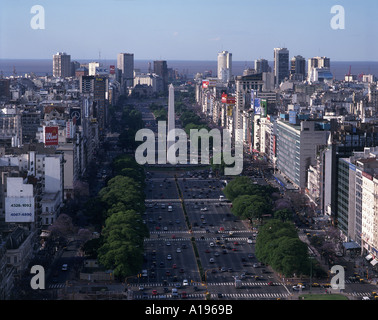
(261, 65)
(125, 66)
(161, 69)
(281, 65)
(224, 66)
(61, 65)
(298, 68)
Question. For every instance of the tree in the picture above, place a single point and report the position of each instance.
(122, 248)
(283, 215)
(125, 190)
(278, 245)
(62, 227)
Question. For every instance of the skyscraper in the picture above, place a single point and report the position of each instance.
(161, 69)
(298, 68)
(224, 66)
(281, 65)
(261, 65)
(61, 65)
(125, 65)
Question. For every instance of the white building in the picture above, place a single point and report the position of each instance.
(224, 66)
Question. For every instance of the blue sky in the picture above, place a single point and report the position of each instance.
(189, 29)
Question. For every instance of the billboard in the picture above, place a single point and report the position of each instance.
(19, 209)
(51, 136)
(69, 129)
(205, 84)
(230, 101)
(229, 110)
(252, 99)
(112, 69)
(257, 106)
(75, 115)
(224, 97)
(264, 107)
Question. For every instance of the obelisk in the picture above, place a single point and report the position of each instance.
(171, 135)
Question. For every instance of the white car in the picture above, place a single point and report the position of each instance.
(64, 267)
(185, 282)
(211, 260)
(178, 250)
(169, 257)
(204, 209)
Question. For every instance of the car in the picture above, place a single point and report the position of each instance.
(185, 282)
(174, 292)
(64, 267)
(167, 273)
(141, 288)
(184, 295)
(168, 244)
(270, 283)
(204, 209)
(169, 257)
(178, 250)
(211, 260)
(154, 292)
(174, 266)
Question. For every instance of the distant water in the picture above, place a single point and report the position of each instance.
(43, 67)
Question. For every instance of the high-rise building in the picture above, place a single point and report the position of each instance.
(224, 66)
(358, 202)
(298, 68)
(61, 65)
(125, 65)
(161, 69)
(281, 65)
(261, 65)
(323, 63)
(297, 147)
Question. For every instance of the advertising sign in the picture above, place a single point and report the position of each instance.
(229, 110)
(19, 209)
(224, 97)
(205, 84)
(75, 115)
(230, 100)
(257, 105)
(69, 129)
(51, 136)
(112, 69)
(264, 107)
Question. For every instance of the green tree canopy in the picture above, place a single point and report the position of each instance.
(278, 245)
(122, 248)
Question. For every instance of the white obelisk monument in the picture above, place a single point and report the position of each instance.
(171, 133)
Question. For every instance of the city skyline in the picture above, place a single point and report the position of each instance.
(193, 30)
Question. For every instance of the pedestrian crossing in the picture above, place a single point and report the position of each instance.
(230, 283)
(57, 286)
(251, 295)
(245, 283)
(216, 296)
